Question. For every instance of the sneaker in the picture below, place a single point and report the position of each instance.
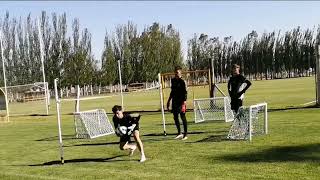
(143, 159)
(179, 136)
(184, 138)
(132, 150)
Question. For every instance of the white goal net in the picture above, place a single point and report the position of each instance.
(250, 121)
(92, 124)
(208, 109)
(28, 99)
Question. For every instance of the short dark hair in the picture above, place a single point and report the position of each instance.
(177, 68)
(116, 108)
(235, 66)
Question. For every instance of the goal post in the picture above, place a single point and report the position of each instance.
(162, 104)
(4, 75)
(317, 77)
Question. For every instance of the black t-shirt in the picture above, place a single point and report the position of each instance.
(127, 120)
(178, 91)
(234, 84)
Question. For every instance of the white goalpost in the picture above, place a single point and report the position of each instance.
(42, 67)
(317, 78)
(4, 77)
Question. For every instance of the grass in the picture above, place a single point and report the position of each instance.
(291, 150)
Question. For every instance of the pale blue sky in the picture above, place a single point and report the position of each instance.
(215, 18)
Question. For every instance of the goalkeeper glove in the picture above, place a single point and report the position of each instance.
(184, 107)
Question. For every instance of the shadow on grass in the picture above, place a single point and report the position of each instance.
(55, 138)
(174, 134)
(214, 138)
(193, 123)
(293, 108)
(70, 141)
(93, 144)
(84, 160)
(301, 153)
(32, 115)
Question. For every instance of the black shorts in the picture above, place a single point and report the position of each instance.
(176, 108)
(236, 104)
(125, 138)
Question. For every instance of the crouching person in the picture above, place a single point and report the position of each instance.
(127, 124)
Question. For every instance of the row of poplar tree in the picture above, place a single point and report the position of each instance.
(68, 55)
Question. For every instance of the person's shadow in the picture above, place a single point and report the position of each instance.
(110, 159)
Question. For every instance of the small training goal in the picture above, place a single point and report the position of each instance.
(212, 109)
(92, 124)
(250, 121)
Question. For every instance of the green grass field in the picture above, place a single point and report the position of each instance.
(291, 150)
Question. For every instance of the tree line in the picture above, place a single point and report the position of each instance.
(142, 55)
(267, 56)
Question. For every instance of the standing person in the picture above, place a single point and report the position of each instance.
(178, 95)
(131, 123)
(237, 88)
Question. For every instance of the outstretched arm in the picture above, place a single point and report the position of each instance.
(135, 117)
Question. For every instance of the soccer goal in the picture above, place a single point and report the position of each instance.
(92, 124)
(80, 126)
(212, 109)
(250, 121)
(27, 99)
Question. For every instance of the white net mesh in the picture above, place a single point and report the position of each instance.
(255, 115)
(217, 108)
(27, 99)
(92, 124)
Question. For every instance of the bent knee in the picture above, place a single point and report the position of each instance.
(121, 146)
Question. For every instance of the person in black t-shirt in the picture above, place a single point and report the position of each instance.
(178, 95)
(131, 124)
(237, 86)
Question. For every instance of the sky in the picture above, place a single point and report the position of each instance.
(214, 18)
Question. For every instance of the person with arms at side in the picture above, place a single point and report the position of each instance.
(178, 95)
